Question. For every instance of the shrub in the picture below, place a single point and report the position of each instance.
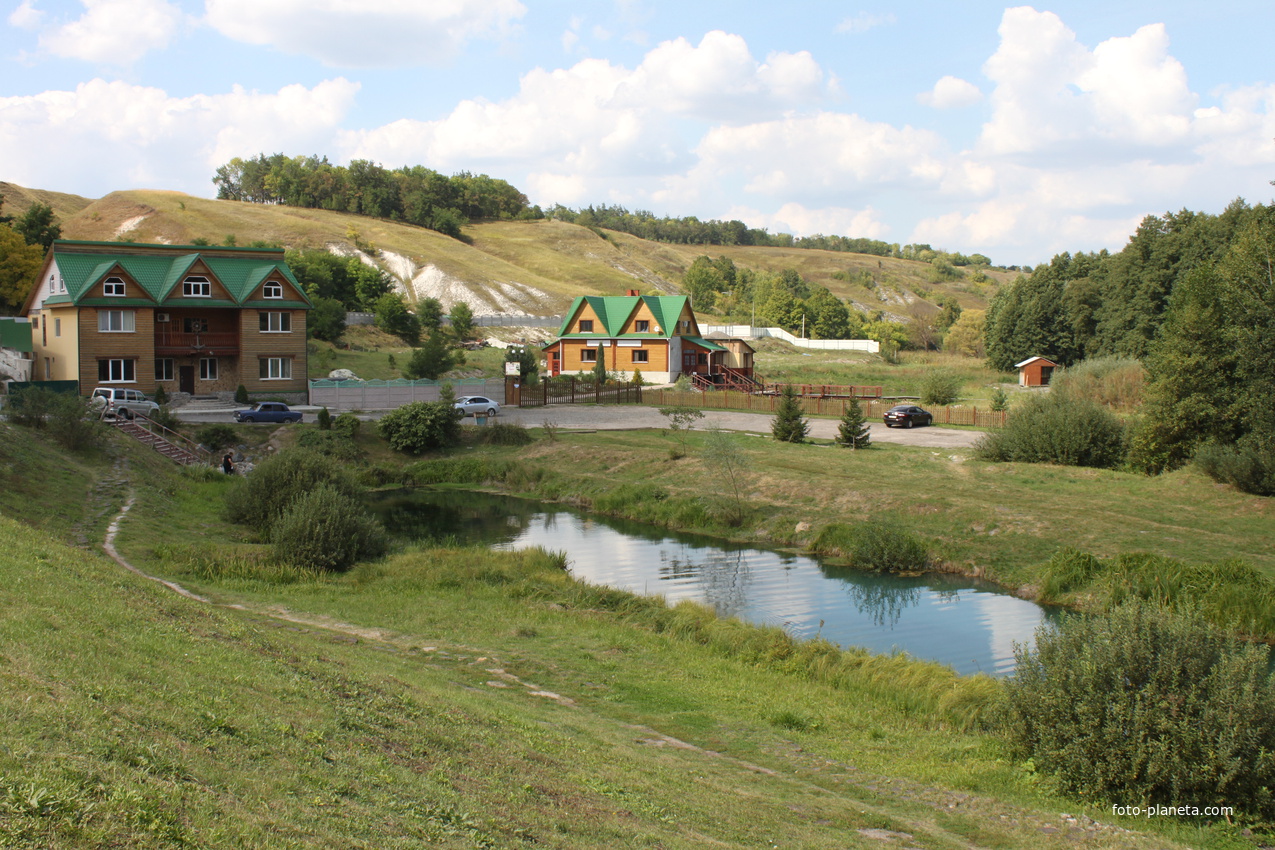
(161, 396)
(262, 497)
(324, 419)
(940, 388)
(347, 425)
(31, 407)
(505, 434)
(241, 394)
(1057, 429)
(880, 545)
(1144, 705)
(1247, 465)
(330, 444)
(1114, 382)
(216, 437)
(422, 426)
(789, 425)
(326, 529)
(1000, 399)
(68, 418)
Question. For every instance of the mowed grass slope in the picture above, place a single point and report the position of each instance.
(459, 698)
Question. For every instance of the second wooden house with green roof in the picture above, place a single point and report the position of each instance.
(195, 319)
(655, 334)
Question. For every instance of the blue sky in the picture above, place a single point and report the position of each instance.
(1013, 131)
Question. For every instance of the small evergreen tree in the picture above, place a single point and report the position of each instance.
(853, 431)
(241, 394)
(600, 369)
(161, 397)
(789, 425)
(325, 419)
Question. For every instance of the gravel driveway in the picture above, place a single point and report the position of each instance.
(622, 417)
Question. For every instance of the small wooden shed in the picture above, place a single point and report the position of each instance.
(1035, 372)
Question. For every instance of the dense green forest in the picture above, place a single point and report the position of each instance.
(1192, 296)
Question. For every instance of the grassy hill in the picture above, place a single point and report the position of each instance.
(526, 266)
(451, 698)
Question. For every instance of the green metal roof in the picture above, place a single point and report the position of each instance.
(703, 343)
(159, 275)
(614, 310)
(15, 334)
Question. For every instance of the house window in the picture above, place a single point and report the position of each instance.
(276, 322)
(197, 286)
(642, 326)
(640, 356)
(57, 327)
(117, 321)
(276, 368)
(208, 368)
(586, 326)
(164, 369)
(589, 355)
(117, 371)
(113, 286)
(195, 326)
(273, 290)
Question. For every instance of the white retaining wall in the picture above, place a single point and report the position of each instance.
(751, 332)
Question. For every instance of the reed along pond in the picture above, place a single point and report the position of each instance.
(967, 624)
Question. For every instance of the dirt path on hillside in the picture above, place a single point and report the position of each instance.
(885, 797)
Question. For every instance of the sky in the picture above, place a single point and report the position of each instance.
(1017, 132)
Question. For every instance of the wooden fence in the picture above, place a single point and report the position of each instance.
(872, 408)
(573, 391)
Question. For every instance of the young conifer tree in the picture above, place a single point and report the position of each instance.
(853, 432)
(789, 425)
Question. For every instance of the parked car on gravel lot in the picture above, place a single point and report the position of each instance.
(268, 411)
(907, 415)
(122, 403)
(472, 405)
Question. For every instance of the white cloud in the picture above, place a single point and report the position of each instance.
(26, 16)
(864, 21)
(365, 33)
(951, 93)
(110, 32)
(801, 221)
(141, 137)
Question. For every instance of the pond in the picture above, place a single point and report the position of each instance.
(965, 623)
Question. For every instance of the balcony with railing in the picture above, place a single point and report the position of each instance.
(207, 343)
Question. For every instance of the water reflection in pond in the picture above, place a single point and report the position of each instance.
(961, 622)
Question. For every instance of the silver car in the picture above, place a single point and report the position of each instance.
(473, 405)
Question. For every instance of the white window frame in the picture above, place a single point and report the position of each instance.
(637, 326)
(582, 324)
(114, 287)
(127, 321)
(208, 368)
(641, 355)
(165, 368)
(270, 322)
(584, 355)
(197, 286)
(118, 370)
(272, 289)
(275, 368)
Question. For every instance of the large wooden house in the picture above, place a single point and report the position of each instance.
(194, 319)
(655, 334)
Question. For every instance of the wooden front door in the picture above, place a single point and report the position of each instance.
(186, 379)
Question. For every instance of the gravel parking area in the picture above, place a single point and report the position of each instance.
(622, 417)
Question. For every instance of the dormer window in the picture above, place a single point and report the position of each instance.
(642, 326)
(586, 326)
(197, 286)
(273, 290)
(113, 286)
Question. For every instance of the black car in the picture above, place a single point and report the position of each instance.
(907, 415)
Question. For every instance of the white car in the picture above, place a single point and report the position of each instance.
(473, 405)
(122, 403)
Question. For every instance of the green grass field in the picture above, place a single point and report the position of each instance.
(465, 698)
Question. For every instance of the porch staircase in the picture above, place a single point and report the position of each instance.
(171, 445)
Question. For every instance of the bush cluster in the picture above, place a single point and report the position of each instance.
(305, 504)
(1114, 382)
(422, 426)
(940, 388)
(505, 434)
(327, 529)
(1055, 428)
(67, 418)
(216, 437)
(1247, 465)
(880, 545)
(1143, 705)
